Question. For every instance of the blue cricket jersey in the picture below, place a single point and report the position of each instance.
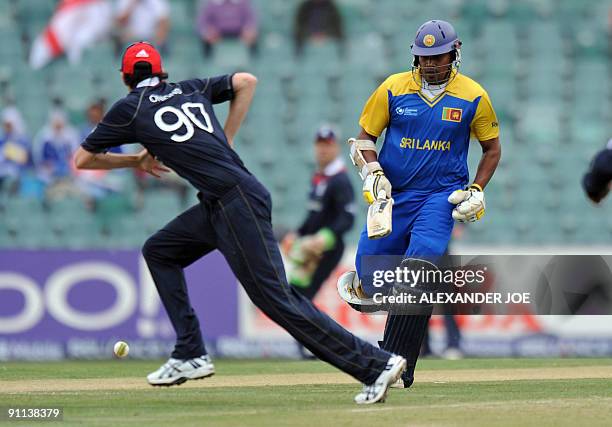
(426, 142)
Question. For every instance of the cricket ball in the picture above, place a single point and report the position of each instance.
(121, 349)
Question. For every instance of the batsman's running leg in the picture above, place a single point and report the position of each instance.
(429, 238)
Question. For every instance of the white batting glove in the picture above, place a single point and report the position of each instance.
(470, 203)
(374, 184)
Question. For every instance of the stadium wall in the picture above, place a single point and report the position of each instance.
(57, 304)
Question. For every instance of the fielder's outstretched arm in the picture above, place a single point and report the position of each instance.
(244, 90)
(144, 161)
(491, 153)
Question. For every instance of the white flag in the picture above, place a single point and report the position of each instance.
(74, 26)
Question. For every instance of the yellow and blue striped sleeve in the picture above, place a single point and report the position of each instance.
(484, 124)
(375, 115)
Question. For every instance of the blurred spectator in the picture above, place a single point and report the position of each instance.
(317, 21)
(52, 154)
(97, 184)
(14, 150)
(74, 26)
(143, 20)
(226, 19)
(94, 114)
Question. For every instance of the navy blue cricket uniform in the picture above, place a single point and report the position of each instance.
(176, 124)
(330, 206)
(597, 179)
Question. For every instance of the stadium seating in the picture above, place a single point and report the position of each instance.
(544, 63)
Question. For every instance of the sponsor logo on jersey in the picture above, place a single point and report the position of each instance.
(429, 40)
(403, 111)
(159, 98)
(452, 114)
(416, 144)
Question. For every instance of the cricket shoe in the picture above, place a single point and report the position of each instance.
(452, 353)
(177, 371)
(350, 290)
(377, 392)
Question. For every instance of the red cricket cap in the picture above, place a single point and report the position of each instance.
(141, 52)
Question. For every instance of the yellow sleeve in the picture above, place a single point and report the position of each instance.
(485, 125)
(375, 115)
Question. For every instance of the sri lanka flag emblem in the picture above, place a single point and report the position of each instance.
(452, 114)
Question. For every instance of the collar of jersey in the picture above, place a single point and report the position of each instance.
(450, 88)
(334, 167)
(151, 81)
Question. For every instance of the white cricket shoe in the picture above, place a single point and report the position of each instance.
(452, 353)
(177, 371)
(377, 392)
(350, 290)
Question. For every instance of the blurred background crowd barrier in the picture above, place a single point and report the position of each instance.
(545, 63)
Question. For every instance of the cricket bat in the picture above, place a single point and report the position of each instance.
(379, 217)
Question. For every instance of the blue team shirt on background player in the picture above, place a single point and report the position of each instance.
(174, 122)
(426, 143)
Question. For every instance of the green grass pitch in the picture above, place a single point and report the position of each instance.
(471, 392)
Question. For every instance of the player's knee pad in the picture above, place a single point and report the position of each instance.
(418, 276)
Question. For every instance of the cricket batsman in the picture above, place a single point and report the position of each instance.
(176, 124)
(421, 170)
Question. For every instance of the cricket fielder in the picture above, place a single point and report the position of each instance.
(429, 114)
(319, 240)
(176, 124)
(596, 181)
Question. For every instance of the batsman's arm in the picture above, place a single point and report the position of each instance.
(365, 159)
(244, 89)
(369, 155)
(491, 153)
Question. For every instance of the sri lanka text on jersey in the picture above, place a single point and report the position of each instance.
(415, 144)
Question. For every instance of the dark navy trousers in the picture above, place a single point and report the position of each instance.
(239, 226)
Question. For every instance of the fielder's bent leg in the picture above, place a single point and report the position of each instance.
(244, 236)
(181, 242)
